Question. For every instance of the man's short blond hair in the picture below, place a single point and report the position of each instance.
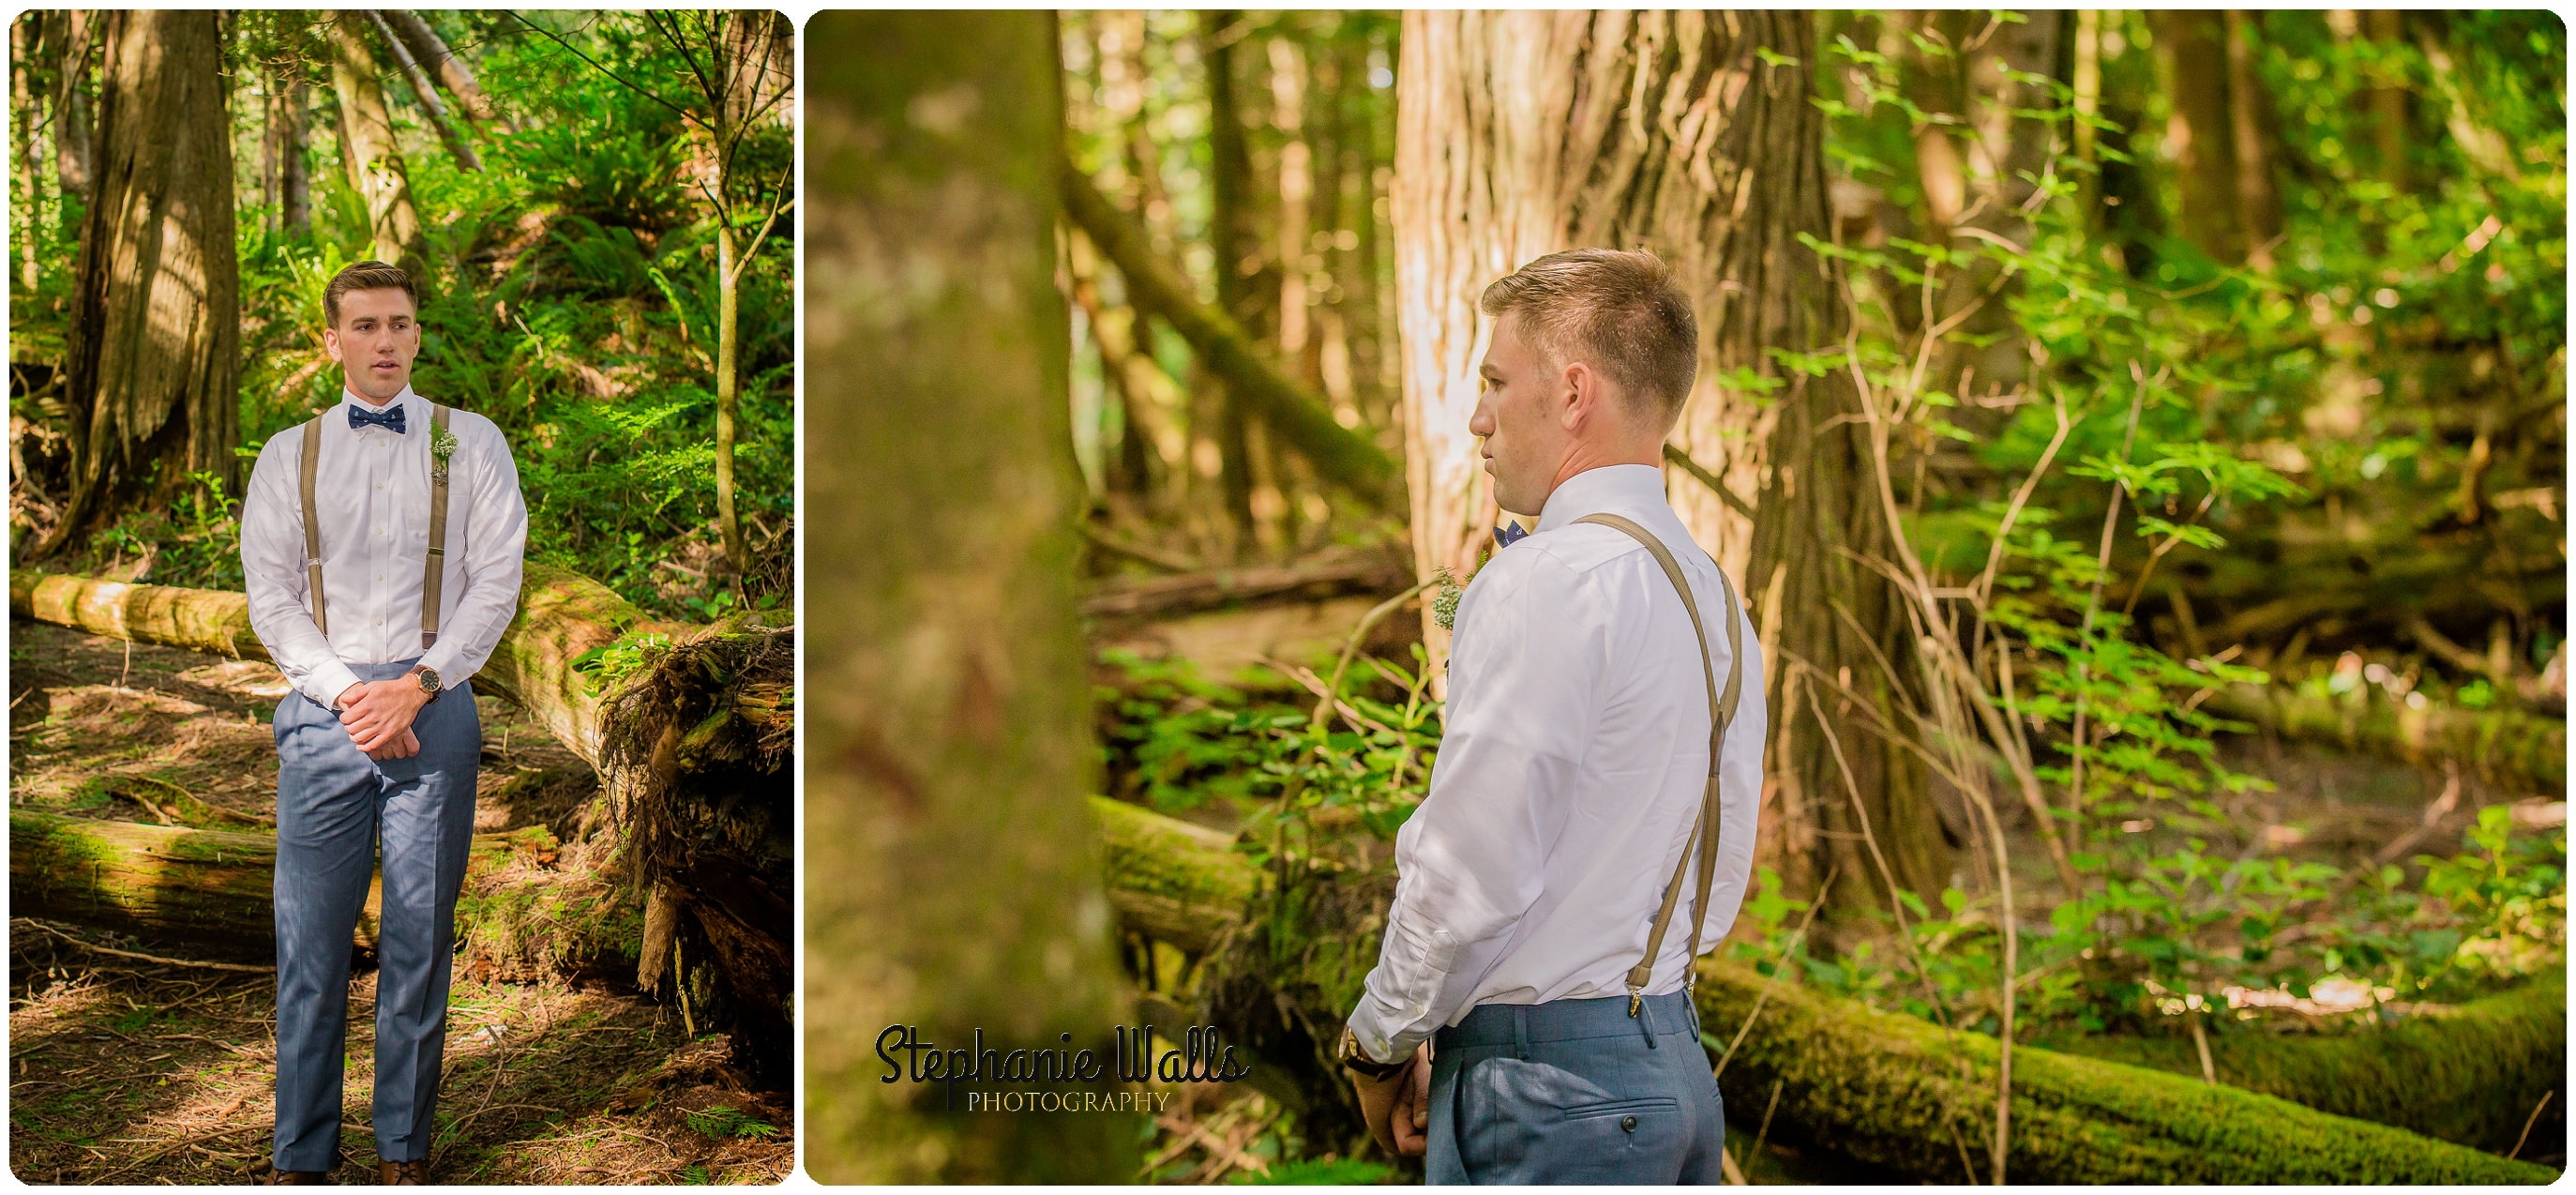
(366, 275)
(1615, 310)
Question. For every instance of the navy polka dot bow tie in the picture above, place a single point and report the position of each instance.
(360, 417)
(1509, 534)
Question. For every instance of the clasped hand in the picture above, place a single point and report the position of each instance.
(378, 715)
(1398, 1107)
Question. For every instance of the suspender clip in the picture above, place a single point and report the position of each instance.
(1636, 999)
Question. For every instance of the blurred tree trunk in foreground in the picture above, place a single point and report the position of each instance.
(1518, 136)
(154, 359)
(953, 881)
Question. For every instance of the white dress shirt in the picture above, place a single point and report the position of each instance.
(1571, 769)
(372, 498)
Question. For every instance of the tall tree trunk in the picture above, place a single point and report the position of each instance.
(2255, 130)
(2087, 85)
(27, 43)
(424, 93)
(75, 136)
(753, 86)
(1246, 286)
(286, 178)
(2007, 147)
(2201, 136)
(1516, 138)
(154, 360)
(432, 53)
(729, 396)
(368, 152)
(954, 881)
(2390, 103)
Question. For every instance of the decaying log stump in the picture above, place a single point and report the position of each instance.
(691, 729)
(1886, 1089)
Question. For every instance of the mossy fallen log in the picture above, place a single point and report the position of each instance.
(1885, 1089)
(2471, 1074)
(2500, 744)
(691, 729)
(1176, 882)
(518, 916)
(1906, 1094)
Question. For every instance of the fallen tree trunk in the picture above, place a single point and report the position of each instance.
(691, 729)
(1904, 1093)
(2470, 1075)
(1313, 580)
(1297, 416)
(1889, 1090)
(518, 915)
(2498, 744)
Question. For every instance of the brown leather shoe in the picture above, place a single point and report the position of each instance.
(406, 1174)
(270, 1177)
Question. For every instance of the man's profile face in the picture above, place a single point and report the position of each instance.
(1519, 414)
(374, 342)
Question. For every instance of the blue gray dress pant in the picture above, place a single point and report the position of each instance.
(1574, 1091)
(336, 809)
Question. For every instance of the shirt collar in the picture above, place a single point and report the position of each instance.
(1610, 488)
(400, 400)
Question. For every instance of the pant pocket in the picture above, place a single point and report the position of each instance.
(1640, 1107)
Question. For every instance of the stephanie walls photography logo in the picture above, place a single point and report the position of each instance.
(1065, 1077)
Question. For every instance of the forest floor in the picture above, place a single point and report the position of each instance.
(2327, 804)
(136, 1072)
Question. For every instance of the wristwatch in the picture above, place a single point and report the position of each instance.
(428, 678)
(1347, 1052)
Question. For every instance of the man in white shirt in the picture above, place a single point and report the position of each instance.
(381, 551)
(1527, 1021)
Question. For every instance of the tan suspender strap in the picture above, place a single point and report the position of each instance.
(433, 570)
(312, 525)
(1702, 844)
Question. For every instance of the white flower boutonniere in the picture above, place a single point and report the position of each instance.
(442, 445)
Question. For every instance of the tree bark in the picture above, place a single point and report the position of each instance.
(27, 44)
(1246, 282)
(286, 181)
(154, 354)
(75, 136)
(1521, 134)
(431, 52)
(2255, 132)
(2391, 104)
(955, 884)
(367, 149)
(748, 90)
(425, 94)
(1524, 133)
(1297, 416)
(2201, 137)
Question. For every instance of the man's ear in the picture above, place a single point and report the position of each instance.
(331, 342)
(1578, 395)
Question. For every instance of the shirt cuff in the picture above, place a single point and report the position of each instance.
(326, 683)
(448, 662)
(1383, 1036)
